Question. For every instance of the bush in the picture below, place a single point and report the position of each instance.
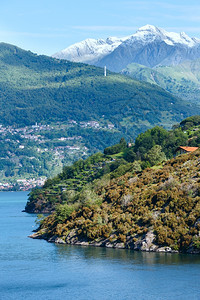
(63, 212)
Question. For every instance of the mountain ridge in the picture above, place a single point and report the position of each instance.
(40, 88)
(182, 79)
(165, 48)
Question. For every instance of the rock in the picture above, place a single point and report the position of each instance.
(98, 244)
(41, 234)
(146, 243)
(132, 180)
(153, 248)
(109, 245)
(143, 244)
(164, 249)
(52, 239)
(193, 250)
(119, 246)
(82, 243)
(59, 241)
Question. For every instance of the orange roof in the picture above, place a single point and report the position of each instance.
(188, 149)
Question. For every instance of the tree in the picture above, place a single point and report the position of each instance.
(155, 155)
(145, 141)
(116, 148)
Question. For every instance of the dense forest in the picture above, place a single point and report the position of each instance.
(43, 89)
(133, 197)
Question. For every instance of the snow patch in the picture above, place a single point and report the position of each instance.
(92, 50)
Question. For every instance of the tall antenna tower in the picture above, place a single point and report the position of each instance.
(105, 71)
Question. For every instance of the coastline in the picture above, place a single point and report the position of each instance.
(144, 244)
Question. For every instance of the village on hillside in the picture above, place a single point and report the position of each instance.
(33, 153)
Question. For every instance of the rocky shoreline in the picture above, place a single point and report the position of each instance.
(142, 244)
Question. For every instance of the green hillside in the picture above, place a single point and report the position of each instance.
(150, 149)
(39, 88)
(107, 200)
(41, 150)
(66, 96)
(182, 80)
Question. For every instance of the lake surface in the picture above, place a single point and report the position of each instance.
(35, 269)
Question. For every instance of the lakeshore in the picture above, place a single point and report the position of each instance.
(34, 269)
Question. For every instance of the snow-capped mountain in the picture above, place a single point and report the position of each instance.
(90, 50)
(150, 46)
(149, 33)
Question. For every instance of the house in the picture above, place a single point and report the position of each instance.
(185, 149)
(129, 145)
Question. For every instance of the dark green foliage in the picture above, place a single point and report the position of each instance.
(151, 148)
(129, 154)
(155, 136)
(190, 122)
(63, 212)
(40, 88)
(168, 140)
(155, 155)
(116, 148)
(46, 90)
(121, 170)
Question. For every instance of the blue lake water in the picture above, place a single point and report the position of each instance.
(35, 269)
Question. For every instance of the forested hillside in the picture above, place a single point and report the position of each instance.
(78, 102)
(109, 201)
(182, 80)
(151, 148)
(39, 88)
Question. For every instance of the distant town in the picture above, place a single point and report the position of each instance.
(22, 184)
(31, 154)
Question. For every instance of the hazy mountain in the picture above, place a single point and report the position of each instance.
(150, 46)
(182, 80)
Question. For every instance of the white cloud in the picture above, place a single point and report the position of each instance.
(100, 28)
(185, 29)
(184, 18)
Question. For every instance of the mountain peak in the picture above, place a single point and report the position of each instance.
(90, 50)
(126, 50)
(148, 28)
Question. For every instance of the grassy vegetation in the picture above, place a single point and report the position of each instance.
(46, 90)
(150, 150)
(164, 202)
(182, 80)
(108, 199)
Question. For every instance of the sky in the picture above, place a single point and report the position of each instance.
(47, 26)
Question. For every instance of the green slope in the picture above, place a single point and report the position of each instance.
(182, 80)
(108, 201)
(150, 148)
(52, 92)
(39, 88)
(154, 210)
